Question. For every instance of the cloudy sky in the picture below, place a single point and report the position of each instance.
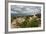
(25, 10)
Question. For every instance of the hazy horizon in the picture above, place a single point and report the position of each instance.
(19, 10)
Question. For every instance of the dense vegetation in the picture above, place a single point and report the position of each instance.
(34, 22)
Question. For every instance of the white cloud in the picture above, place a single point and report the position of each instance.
(29, 10)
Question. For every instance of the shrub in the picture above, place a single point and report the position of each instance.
(35, 22)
